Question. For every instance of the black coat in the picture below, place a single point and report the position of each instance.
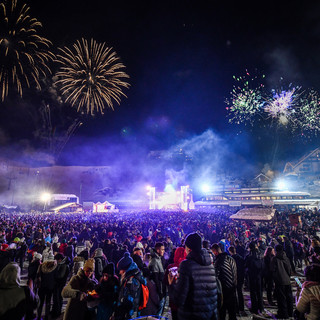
(226, 270)
(195, 292)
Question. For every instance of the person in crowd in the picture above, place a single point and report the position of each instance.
(308, 299)
(240, 277)
(5, 255)
(268, 276)
(130, 288)
(281, 270)
(33, 268)
(179, 255)
(100, 261)
(16, 302)
(137, 257)
(61, 277)
(152, 306)
(108, 290)
(46, 277)
(254, 265)
(288, 249)
(77, 290)
(78, 263)
(47, 251)
(157, 273)
(226, 271)
(195, 291)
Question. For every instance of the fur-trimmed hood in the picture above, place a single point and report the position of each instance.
(48, 266)
(10, 276)
(78, 259)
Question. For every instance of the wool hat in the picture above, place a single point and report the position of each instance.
(37, 255)
(4, 247)
(125, 262)
(109, 269)
(98, 252)
(194, 242)
(89, 265)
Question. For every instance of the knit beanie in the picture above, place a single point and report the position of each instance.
(125, 262)
(194, 242)
(109, 269)
(89, 265)
(37, 255)
(98, 252)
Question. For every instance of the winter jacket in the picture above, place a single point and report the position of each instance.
(129, 293)
(77, 309)
(226, 270)
(254, 264)
(195, 292)
(157, 273)
(153, 302)
(281, 269)
(33, 269)
(47, 274)
(309, 300)
(240, 267)
(16, 302)
(62, 272)
(5, 258)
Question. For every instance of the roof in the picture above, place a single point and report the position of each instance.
(254, 214)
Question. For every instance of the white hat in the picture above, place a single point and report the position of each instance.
(37, 255)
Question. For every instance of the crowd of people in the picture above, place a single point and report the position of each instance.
(125, 265)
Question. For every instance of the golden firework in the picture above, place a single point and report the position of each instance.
(91, 76)
(24, 54)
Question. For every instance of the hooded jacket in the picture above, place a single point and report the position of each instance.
(129, 293)
(47, 274)
(309, 300)
(76, 309)
(195, 292)
(281, 269)
(16, 301)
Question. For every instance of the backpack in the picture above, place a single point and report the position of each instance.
(99, 266)
(144, 294)
(144, 297)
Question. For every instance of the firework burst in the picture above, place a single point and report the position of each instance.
(91, 76)
(246, 99)
(24, 54)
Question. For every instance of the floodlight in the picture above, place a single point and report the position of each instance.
(45, 197)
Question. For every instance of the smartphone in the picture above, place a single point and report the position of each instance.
(173, 271)
(298, 282)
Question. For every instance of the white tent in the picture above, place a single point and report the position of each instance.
(104, 207)
(254, 214)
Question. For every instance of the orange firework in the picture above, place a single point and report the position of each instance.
(91, 76)
(24, 54)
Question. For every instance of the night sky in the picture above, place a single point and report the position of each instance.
(181, 57)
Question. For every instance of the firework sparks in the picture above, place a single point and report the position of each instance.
(246, 99)
(91, 76)
(24, 55)
(296, 109)
(281, 106)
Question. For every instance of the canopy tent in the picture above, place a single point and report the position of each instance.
(254, 214)
(104, 207)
